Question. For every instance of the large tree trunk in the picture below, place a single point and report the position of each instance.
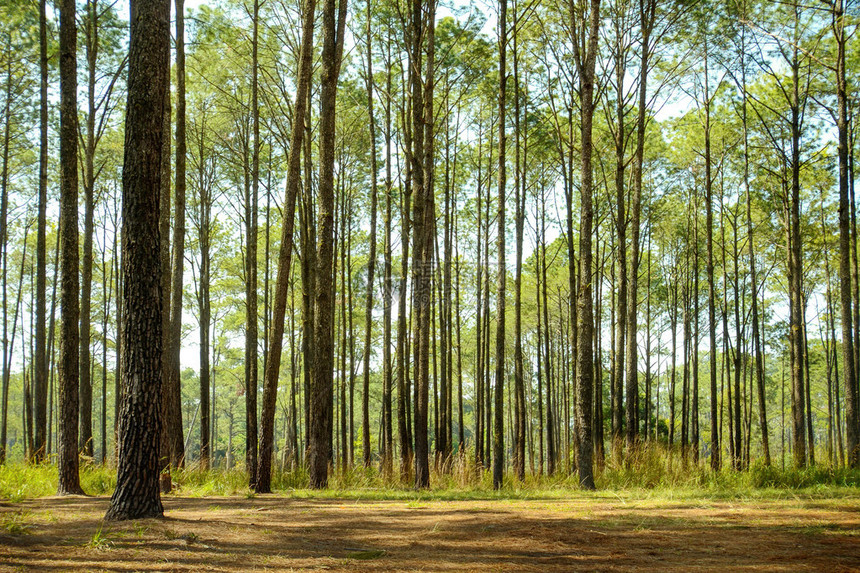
(67, 451)
(137, 492)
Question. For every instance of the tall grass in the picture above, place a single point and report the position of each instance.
(651, 468)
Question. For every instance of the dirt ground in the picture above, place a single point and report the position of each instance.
(583, 532)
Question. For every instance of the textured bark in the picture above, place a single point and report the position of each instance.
(67, 441)
(498, 422)
(137, 492)
(647, 16)
(585, 64)
(251, 301)
(40, 380)
(173, 408)
(166, 280)
(422, 223)
(334, 19)
(852, 401)
(371, 262)
(282, 282)
(86, 385)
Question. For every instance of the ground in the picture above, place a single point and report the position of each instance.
(591, 532)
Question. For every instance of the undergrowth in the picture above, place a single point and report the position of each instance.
(651, 471)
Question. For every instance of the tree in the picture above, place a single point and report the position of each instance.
(498, 422)
(282, 283)
(172, 394)
(849, 368)
(137, 493)
(41, 377)
(334, 21)
(371, 262)
(585, 58)
(67, 441)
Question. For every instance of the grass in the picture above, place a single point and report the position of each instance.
(101, 539)
(15, 523)
(652, 472)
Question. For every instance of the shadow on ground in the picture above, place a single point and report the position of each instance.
(580, 533)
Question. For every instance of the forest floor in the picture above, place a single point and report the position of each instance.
(603, 531)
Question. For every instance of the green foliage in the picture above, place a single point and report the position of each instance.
(652, 470)
(15, 523)
(101, 539)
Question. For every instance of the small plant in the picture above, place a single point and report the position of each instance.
(140, 530)
(101, 539)
(15, 524)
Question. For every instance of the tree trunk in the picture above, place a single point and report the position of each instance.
(252, 319)
(371, 262)
(852, 402)
(173, 394)
(282, 282)
(137, 492)
(67, 451)
(321, 384)
(40, 381)
(585, 64)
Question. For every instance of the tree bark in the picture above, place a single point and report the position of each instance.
(40, 382)
(137, 492)
(334, 18)
(371, 261)
(585, 63)
(498, 422)
(282, 282)
(852, 402)
(67, 441)
(173, 395)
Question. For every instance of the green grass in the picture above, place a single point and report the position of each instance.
(653, 473)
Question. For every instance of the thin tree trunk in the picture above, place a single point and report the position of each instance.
(371, 262)
(173, 423)
(40, 381)
(585, 64)
(67, 451)
(282, 282)
(334, 18)
(498, 426)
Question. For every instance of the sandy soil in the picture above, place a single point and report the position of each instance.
(581, 533)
